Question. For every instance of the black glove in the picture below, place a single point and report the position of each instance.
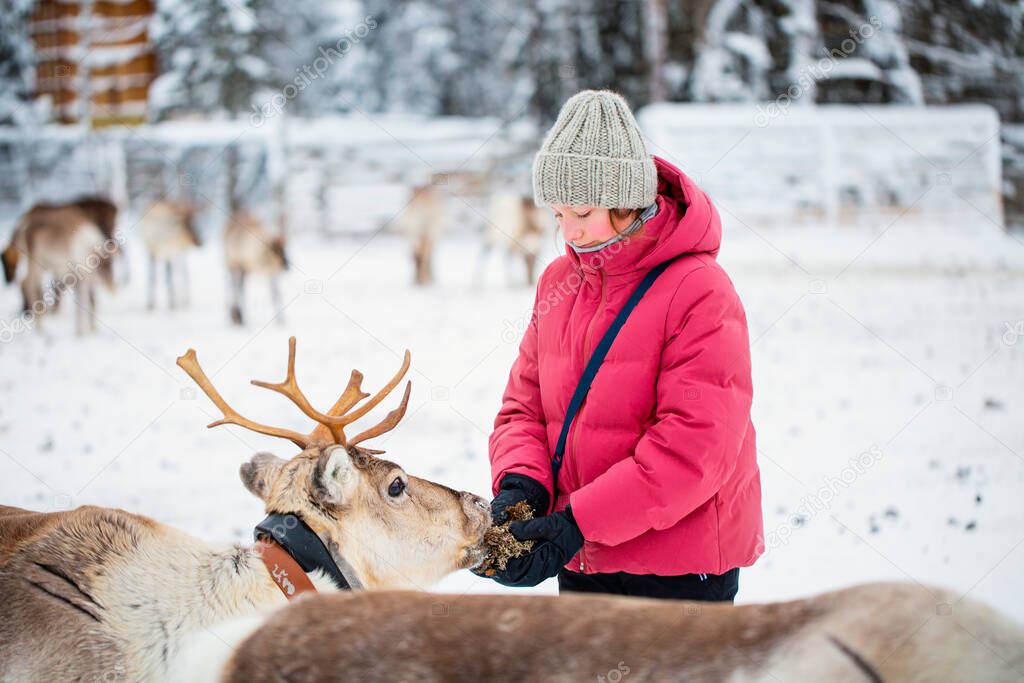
(516, 488)
(557, 538)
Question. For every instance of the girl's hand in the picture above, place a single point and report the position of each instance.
(516, 488)
(558, 539)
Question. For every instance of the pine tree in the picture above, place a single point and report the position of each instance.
(218, 56)
(16, 62)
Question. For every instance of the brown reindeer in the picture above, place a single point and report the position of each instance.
(99, 211)
(891, 632)
(423, 221)
(64, 247)
(99, 594)
(168, 232)
(515, 227)
(250, 248)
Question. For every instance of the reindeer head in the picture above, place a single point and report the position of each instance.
(10, 258)
(385, 527)
(189, 220)
(277, 258)
(101, 211)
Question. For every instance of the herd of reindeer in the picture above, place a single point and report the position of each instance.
(102, 594)
(59, 247)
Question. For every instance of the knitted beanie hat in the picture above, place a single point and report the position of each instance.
(595, 155)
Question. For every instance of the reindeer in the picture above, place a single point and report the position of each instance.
(103, 594)
(891, 632)
(423, 221)
(99, 211)
(66, 246)
(249, 248)
(168, 232)
(516, 226)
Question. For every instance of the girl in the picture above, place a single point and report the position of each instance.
(659, 492)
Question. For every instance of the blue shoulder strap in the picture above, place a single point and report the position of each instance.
(594, 363)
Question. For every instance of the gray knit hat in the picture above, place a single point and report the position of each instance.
(595, 155)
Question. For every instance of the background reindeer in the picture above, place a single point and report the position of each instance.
(516, 228)
(249, 248)
(65, 246)
(891, 632)
(103, 594)
(168, 232)
(423, 221)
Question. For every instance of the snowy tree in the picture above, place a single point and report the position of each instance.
(16, 62)
(438, 57)
(343, 60)
(732, 60)
(657, 37)
(216, 56)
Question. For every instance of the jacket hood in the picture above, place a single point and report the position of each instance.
(686, 223)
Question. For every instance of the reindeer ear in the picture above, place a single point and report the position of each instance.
(336, 476)
(260, 472)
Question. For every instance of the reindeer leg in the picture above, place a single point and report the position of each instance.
(417, 262)
(151, 297)
(481, 264)
(183, 268)
(275, 297)
(512, 268)
(91, 290)
(422, 256)
(429, 258)
(237, 290)
(169, 273)
(531, 268)
(33, 304)
(56, 288)
(26, 295)
(80, 308)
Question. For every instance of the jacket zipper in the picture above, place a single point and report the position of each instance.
(575, 431)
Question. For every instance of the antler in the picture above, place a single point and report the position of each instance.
(190, 364)
(290, 388)
(330, 429)
(353, 394)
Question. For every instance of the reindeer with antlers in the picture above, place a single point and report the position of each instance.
(103, 594)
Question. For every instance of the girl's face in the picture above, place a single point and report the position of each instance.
(588, 226)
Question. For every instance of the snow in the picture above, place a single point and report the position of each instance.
(752, 48)
(855, 67)
(909, 358)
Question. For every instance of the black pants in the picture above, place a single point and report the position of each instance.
(703, 587)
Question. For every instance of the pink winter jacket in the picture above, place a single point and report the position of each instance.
(660, 465)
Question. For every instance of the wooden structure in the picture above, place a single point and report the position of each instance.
(95, 59)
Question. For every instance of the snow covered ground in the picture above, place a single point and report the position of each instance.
(901, 349)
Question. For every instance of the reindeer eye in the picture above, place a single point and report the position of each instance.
(396, 488)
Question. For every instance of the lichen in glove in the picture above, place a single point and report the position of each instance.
(502, 543)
